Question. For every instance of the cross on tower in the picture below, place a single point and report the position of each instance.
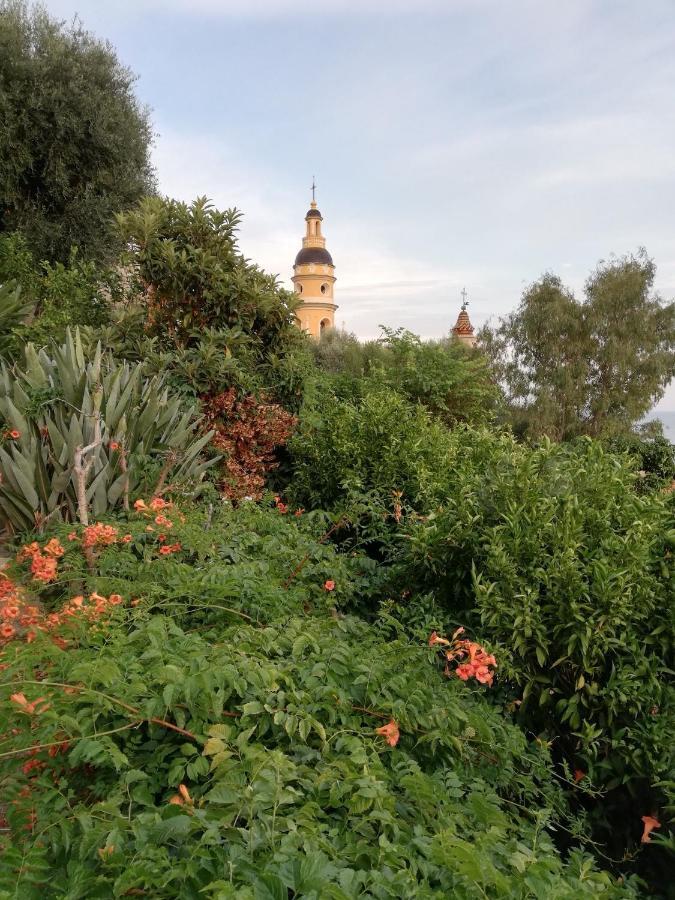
(313, 190)
(465, 302)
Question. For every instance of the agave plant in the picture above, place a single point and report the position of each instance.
(14, 309)
(96, 424)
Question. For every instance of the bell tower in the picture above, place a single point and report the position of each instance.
(314, 277)
(463, 330)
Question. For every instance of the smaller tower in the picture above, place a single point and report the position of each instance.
(314, 277)
(463, 330)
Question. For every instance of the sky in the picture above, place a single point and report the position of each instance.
(455, 143)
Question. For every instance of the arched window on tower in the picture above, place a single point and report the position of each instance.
(324, 288)
(324, 325)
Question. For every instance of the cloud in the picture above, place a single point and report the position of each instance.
(384, 286)
(270, 9)
(261, 9)
(574, 150)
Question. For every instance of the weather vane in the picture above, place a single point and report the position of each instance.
(465, 302)
(313, 189)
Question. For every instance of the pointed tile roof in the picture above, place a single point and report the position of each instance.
(463, 325)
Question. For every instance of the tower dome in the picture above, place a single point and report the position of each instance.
(314, 277)
(313, 255)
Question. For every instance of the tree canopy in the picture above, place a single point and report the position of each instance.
(75, 142)
(594, 367)
(194, 277)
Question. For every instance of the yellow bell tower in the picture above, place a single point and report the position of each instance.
(314, 277)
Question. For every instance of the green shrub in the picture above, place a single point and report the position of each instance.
(77, 294)
(58, 296)
(653, 459)
(378, 443)
(450, 381)
(181, 749)
(135, 432)
(569, 572)
(16, 260)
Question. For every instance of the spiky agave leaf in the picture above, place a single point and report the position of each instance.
(53, 402)
(14, 309)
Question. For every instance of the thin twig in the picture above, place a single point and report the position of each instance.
(166, 468)
(303, 562)
(132, 709)
(235, 612)
(370, 712)
(125, 472)
(67, 740)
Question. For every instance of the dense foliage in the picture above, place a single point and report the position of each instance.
(376, 443)
(194, 278)
(451, 381)
(14, 308)
(652, 456)
(378, 647)
(560, 563)
(558, 556)
(594, 367)
(74, 143)
(55, 296)
(162, 742)
(247, 433)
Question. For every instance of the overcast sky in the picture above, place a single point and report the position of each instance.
(455, 143)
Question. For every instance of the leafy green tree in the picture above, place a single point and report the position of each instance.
(594, 367)
(223, 320)
(452, 382)
(74, 142)
(194, 275)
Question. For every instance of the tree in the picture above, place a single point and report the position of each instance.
(594, 367)
(451, 381)
(220, 328)
(196, 281)
(74, 143)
